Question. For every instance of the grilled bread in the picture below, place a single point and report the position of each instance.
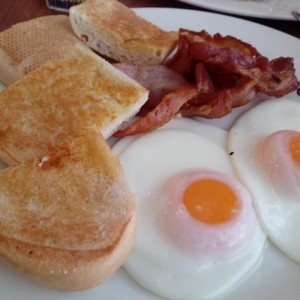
(61, 98)
(114, 30)
(28, 45)
(69, 218)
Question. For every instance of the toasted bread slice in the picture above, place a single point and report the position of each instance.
(62, 97)
(114, 30)
(28, 45)
(69, 216)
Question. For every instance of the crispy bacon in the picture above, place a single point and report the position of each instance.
(219, 41)
(204, 83)
(180, 62)
(213, 105)
(221, 102)
(243, 92)
(163, 112)
(283, 79)
(222, 73)
(229, 58)
(274, 78)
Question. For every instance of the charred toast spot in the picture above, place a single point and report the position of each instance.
(84, 38)
(4, 133)
(56, 158)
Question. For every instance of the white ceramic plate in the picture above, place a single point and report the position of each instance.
(268, 9)
(278, 277)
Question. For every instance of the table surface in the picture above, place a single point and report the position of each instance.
(14, 11)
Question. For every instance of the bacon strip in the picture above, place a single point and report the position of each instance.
(221, 102)
(181, 60)
(244, 92)
(283, 79)
(159, 80)
(229, 58)
(223, 73)
(162, 113)
(274, 78)
(219, 41)
(204, 83)
(214, 105)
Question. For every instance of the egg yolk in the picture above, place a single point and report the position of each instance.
(210, 201)
(294, 148)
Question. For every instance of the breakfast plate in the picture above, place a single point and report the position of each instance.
(278, 276)
(268, 9)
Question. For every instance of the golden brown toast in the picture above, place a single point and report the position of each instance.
(68, 218)
(28, 45)
(114, 30)
(61, 98)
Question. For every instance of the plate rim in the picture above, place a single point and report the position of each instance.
(240, 12)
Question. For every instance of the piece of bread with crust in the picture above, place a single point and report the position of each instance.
(62, 97)
(69, 218)
(114, 30)
(28, 45)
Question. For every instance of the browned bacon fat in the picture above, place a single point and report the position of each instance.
(222, 73)
(166, 109)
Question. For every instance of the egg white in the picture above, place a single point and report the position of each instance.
(155, 263)
(212, 133)
(279, 217)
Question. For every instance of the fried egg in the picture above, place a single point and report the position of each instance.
(265, 143)
(197, 232)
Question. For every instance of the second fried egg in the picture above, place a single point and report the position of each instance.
(266, 146)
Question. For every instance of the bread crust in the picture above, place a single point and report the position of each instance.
(114, 30)
(69, 270)
(27, 45)
(70, 261)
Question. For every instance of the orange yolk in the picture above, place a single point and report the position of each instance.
(210, 201)
(294, 148)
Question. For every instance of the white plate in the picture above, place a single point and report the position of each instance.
(269, 9)
(278, 277)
